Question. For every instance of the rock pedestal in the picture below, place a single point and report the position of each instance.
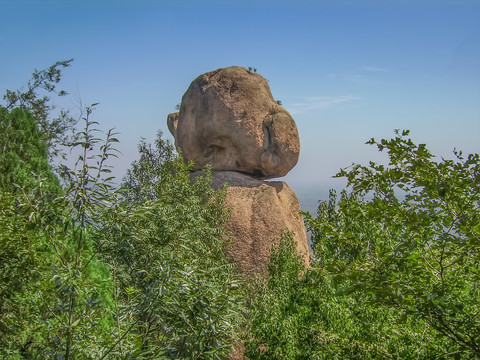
(261, 211)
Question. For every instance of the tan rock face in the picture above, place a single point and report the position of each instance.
(229, 120)
(261, 211)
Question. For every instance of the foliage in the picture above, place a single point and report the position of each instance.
(407, 235)
(167, 256)
(20, 246)
(24, 154)
(143, 181)
(55, 129)
(60, 309)
(298, 313)
(52, 287)
(90, 270)
(394, 272)
(90, 273)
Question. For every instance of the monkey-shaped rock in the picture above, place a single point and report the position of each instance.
(229, 120)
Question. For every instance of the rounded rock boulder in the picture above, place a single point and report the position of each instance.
(229, 120)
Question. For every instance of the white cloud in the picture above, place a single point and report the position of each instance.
(310, 104)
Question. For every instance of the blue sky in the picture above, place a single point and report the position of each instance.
(346, 70)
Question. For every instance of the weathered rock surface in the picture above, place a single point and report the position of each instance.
(228, 119)
(261, 211)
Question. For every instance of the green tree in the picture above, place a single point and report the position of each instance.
(55, 127)
(407, 234)
(165, 248)
(59, 299)
(24, 157)
(143, 180)
(24, 174)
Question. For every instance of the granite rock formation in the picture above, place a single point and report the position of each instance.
(228, 119)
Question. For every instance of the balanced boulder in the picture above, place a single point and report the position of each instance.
(229, 120)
